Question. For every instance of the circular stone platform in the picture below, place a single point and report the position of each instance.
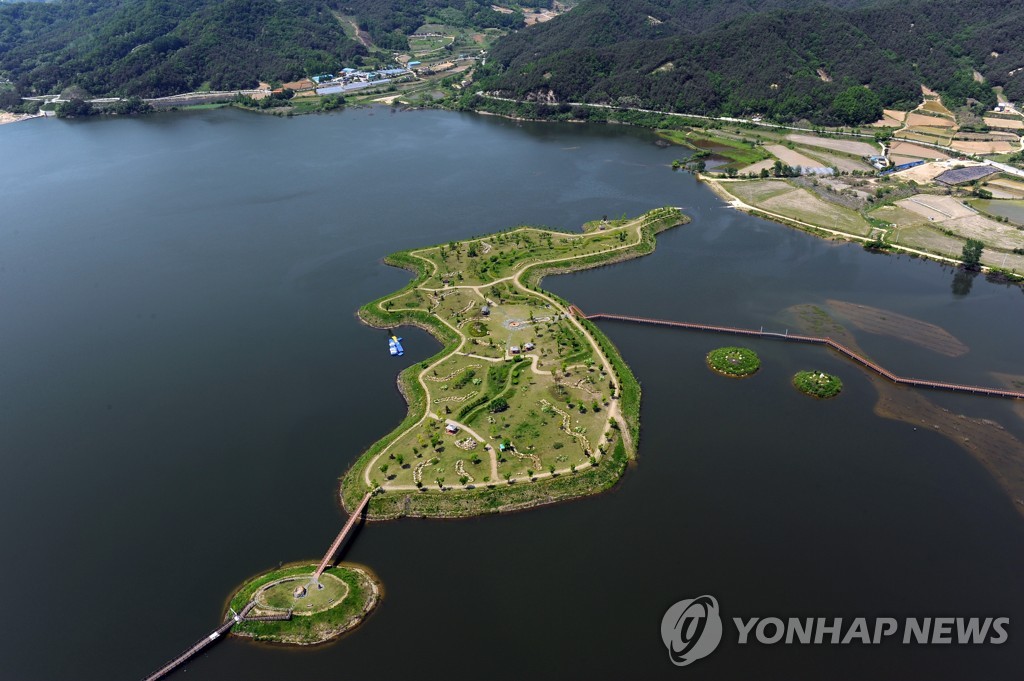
(344, 596)
(282, 594)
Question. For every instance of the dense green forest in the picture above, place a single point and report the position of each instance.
(150, 48)
(832, 62)
(158, 47)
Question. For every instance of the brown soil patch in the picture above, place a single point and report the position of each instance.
(937, 208)
(1012, 382)
(792, 158)
(999, 451)
(766, 164)
(848, 146)
(888, 323)
(1015, 124)
(303, 84)
(901, 148)
(987, 441)
(925, 173)
(1009, 185)
(994, 147)
(930, 121)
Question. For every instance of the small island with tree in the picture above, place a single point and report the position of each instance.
(817, 384)
(734, 362)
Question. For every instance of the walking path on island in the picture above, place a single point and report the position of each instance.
(633, 227)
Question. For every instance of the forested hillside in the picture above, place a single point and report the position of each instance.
(389, 21)
(158, 47)
(784, 59)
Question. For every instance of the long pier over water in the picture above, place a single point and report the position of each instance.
(242, 616)
(814, 340)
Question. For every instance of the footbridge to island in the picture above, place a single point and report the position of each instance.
(813, 340)
(242, 616)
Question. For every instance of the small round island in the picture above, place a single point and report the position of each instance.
(733, 362)
(817, 384)
(288, 605)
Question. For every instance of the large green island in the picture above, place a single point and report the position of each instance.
(527, 403)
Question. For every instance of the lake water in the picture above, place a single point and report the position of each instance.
(183, 381)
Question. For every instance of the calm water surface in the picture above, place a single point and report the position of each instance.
(182, 381)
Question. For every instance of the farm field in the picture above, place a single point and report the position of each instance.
(914, 151)
(846, 146)
(843, 163)
(738, 151)
(952, 216)
(805, 206)
(934, 105)
(936, 207)
(915, 119)
(921, 135)
(782, 198)
(1006, 123)
(766, 164)
(993, 147)
(1007, 185)
(1012, 210)
(791, 157)
(755, 191)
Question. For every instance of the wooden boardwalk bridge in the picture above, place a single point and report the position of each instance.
(329, 556)
(814, 340)
(241, 616)
(201, 643)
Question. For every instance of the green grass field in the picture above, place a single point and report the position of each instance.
(738, 152)
(534, 396)
(354, 586)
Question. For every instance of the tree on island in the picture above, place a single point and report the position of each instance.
(972, 254)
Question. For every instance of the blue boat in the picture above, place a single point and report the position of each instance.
(395, 346)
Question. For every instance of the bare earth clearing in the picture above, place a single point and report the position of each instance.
(993, 147)
(915, 151)
(847, 146)
(1004, 123)
(888, 323)
(914, 119)
(952, 215)
(790, 157)
(987, 441)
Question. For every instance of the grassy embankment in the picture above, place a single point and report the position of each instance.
(497, 496)
(739, 153)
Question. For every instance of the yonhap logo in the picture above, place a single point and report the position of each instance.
(691, 629)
